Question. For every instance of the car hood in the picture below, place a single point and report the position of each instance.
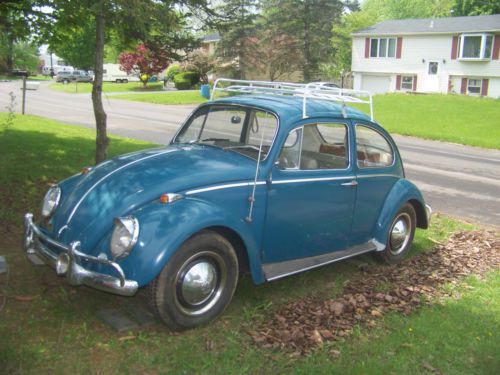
(123, 184)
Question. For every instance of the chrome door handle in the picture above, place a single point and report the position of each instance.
(351, 183)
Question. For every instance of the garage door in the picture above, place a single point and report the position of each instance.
(376, 84)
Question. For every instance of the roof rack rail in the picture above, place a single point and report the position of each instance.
(305, 90)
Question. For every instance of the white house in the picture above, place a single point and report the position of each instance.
(443, 55)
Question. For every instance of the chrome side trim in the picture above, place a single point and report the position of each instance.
(278, 270)
(313, 179)
(106, 176)
(378, 175)
(76, 274)
(226, 186)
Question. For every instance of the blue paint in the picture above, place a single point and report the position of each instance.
(290, 220)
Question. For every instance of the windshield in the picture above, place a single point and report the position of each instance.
(238, 129)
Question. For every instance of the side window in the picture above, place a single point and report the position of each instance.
(318, 146)
(290, 153)
(372, 149)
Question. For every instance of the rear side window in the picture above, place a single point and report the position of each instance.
(372, 149)
(316, 146)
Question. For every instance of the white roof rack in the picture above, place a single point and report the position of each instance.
(305, 90)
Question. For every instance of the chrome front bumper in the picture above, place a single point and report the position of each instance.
(67, 262)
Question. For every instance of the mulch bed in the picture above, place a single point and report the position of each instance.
(304, 325)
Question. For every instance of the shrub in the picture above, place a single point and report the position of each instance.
(193, 77)
(172, 71)
(181, 83)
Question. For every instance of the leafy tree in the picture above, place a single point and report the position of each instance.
(235, 46)
(475, 7)
(18, 21)
(145, 62)
(76, 45)
(26, 56)
(201, 62)
(157, 22)
(310, 22)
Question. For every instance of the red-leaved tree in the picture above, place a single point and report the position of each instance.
(144, 62)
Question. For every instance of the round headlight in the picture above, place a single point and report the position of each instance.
(51, 201)
(124, 237)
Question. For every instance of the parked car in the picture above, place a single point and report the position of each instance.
(64, 77)
(264, 182)
(82, 76)
(74, 76)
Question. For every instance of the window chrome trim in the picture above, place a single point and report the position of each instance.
(386, 139)
(346, 125)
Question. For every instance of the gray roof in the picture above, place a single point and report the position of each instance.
(449, 25)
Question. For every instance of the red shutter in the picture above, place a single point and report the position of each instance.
(367, 48)
(463, 88)
(496, 48)
(484, 87)
(398, 82)
(414, 83)
(454, 47)
(399, 47)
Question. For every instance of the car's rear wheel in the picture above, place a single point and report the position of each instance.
(125, 81)
(197, 283)
(400, 236)
(118, 81)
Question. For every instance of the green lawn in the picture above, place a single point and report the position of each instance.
(453, 118)
(85, 88)
(56, 330)
(168, 97)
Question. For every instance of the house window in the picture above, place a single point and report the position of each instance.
(433, 68)
(407, 83)
(476, 46)
(383, 47)
(474, 86)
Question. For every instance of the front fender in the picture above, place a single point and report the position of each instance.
(402, 192)
(165, 227)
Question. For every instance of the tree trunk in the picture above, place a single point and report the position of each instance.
(307, 54)
(9, 60)
(102, 139)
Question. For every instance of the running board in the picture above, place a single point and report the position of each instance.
(274, 271)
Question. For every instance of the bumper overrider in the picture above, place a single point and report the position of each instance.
(67, 263)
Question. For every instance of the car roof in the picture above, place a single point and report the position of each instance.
(289, 107)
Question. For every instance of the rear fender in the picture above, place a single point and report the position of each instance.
(402, 192)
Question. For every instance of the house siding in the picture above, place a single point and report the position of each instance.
(416, 53)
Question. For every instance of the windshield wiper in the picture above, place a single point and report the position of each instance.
(215, 140)
(243, 146)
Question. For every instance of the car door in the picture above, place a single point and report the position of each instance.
(377, 170)
(311, 194)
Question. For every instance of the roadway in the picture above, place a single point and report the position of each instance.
(458, 180)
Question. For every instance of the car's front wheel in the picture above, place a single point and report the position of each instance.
(197, 283)
(400, 236)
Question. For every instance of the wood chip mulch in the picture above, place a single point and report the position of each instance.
(304, 325)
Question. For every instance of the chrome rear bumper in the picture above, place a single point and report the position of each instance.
(67, 263)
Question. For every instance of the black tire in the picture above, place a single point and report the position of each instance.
(65, 81)
(400, 236)
(118, 81)
(125, 81)
(183, 305)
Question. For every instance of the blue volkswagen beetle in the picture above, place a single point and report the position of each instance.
(271, 179)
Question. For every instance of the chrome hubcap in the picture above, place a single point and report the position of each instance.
(400, 234)
(198, 283)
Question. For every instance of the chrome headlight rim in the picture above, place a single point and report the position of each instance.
(131, 225)
(48, 213)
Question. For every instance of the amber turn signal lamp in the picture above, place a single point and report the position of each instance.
(164, 198)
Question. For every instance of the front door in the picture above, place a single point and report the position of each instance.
(432, 77)
(311, 196)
